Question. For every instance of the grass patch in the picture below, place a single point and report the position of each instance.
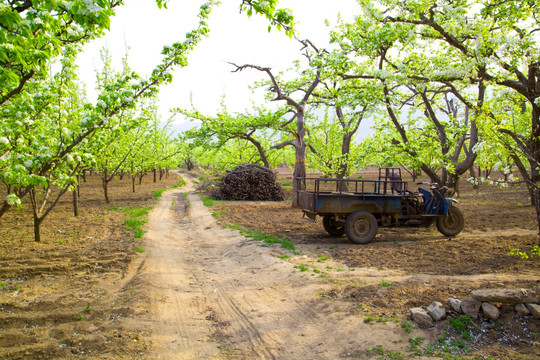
(217, 214)
(385, 283)
(301, 267)
(270, 239)
(405, 325)
(134, 223)
(139, 249)
(283, 256)
(386, 354)
(380, 319)
(208, 201)
(136, 218)
(181, 183)
(323, 258)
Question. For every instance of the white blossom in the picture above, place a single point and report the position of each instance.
(4, 140)
(13, 199)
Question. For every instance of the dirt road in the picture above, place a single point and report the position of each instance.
(214, 294)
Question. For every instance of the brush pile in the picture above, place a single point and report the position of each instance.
(249, 182)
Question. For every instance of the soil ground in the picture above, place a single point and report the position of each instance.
(202, 291)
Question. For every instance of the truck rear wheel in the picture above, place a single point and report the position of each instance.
(361, 227)
(451, 224)
(333, 226)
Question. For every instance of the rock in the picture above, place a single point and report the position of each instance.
(437, 311)
(421, 317)
(454, 304)
(470, 307)
(490, 311)
(522, 310)
(534, 309)
(494, 335)
(505, 296)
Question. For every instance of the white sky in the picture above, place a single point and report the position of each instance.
(234, 37)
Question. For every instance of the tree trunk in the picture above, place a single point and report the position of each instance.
(106, 190)
(416, 174)
(189, 164)
(300, 160)
(141, 174)
(155, 175)
(260, 149)
(37, 232)
(345, 150)
(133, 183)
(75, 203)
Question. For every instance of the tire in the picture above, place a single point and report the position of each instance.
(332, 226)
(451, 224)
(361, 227)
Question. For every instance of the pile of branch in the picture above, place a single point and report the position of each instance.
(249, 182)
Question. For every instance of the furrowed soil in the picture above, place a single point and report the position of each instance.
(201, 290)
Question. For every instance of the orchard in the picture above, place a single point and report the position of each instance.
(105, 194)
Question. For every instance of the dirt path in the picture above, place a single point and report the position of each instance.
(214, 294)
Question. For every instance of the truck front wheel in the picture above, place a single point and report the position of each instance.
(451, 224)
(361, 227)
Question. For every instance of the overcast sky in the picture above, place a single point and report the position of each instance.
(234, 37)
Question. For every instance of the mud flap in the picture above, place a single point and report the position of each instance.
(309, 216)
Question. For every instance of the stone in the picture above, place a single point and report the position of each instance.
(454, 304)
(490, 311)
(522, 310)
(534, 309)
(470, 307)
(494, 335)
(421, 317)
(437, 311)
(505, 296)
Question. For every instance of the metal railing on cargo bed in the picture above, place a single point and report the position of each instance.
(383, 187)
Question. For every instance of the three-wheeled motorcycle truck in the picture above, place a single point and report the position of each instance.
(358, 207)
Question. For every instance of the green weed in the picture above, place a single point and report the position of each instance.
(323, 258)
(386, 354)
(217, 214)
(157, 193)
(301, 267)
(208, 201)
(283, 256)
(134, 223)
(415, 343)
(137, 212)
(88, 308)
(181, 182)
(386, 283)
(379, 319)
(139, 249)
(459, 323)
(405, 325)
